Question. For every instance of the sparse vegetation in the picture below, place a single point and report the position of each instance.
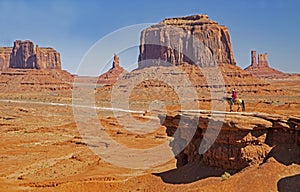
(225, 176)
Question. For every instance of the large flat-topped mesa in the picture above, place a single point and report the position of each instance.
(25, 55)
(192, 39)
(26, 67)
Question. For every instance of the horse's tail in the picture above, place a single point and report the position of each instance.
(243, 105)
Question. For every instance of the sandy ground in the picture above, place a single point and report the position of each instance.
(42, 150)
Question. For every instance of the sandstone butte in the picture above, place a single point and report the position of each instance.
(24, 55)
(261, 69)
(192, 46)
(27, 67)
(112, 75)
(191, 39)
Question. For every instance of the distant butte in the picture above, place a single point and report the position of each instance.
(112, 75)
(24, 55)
(192, 39)
(261, 69)
(26, 67)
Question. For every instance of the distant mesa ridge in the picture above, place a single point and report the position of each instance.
(195, 39)
(24, 55)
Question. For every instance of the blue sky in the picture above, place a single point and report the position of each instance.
(72, 27)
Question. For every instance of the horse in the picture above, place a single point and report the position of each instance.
(238, 102)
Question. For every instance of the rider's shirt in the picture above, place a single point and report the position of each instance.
(234, 95)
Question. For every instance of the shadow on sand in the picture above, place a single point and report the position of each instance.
(190, 173)
(287, 154)
(289, 184)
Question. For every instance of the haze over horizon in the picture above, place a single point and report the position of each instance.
(72, 27)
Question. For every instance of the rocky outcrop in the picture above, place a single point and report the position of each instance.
(158, 48)
(22, 80)
(245, 139)
(24, 55)
(262, 68)
(112, 75)
(193, 39)
(47, 58)
(204, 81)
(262, 60)
(4, 57)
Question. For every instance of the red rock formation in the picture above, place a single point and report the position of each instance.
(22, 80)
(192, 39)
(253, 58)
(262, 69)
(262, 60)
(151, 74)
(47, 58)
(116, 62)
(24, 55)
(18, 68)
(111, 76)
(4, 57)
(244, 139)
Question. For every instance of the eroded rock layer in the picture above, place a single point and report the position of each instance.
(204, 81)
(244, 139)
(20, 80)
(192, 39)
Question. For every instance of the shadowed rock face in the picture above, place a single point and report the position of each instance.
(23, 55)
(193, 39)
(245, 139)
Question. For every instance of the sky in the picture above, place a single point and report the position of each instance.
(73, 27)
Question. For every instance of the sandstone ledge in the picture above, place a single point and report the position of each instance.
(245, 139)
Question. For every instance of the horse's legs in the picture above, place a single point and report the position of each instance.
(230, 108)
(238, 108)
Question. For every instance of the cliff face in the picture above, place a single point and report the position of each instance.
(24, 55)
(26, 67)
(245, 139)
(47, 58)
(5, 57)
(192, 39)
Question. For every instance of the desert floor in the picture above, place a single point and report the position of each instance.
(42, 150)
